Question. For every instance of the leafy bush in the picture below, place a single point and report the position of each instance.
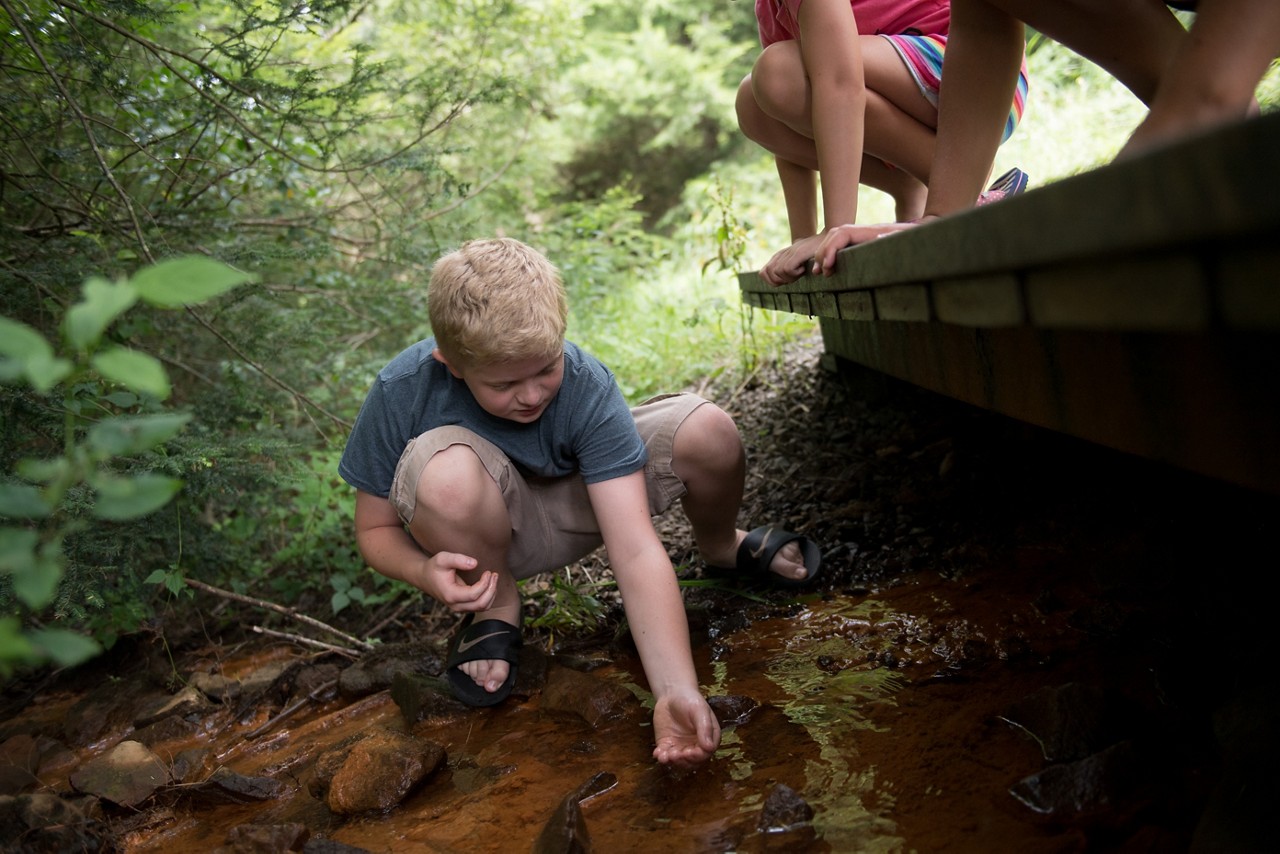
(107, 467)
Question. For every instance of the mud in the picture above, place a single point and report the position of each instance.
(1019, 642)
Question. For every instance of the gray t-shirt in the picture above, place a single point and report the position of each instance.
(587, 428)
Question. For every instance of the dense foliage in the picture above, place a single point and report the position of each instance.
(333, 149)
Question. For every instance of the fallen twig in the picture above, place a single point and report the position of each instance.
(289, 710)
(365, 646)
(305, 641)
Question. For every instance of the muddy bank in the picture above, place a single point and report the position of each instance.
(1019, 642)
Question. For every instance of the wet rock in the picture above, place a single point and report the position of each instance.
(733, 709)
(215, 686)
(595, 700)
(377, 771)
(784, 810)
(316, 682)
(1067, 721)
(532, 673)
(566, 830)
(188, 766)
(1107, 784)
(188, 701)
(261, 680)
(264, 839)
(422, 698)
(45, 822)
(19, 761)
(172, 728)
(225, 786)
(127, 774)
(109, 708)
(376, 670)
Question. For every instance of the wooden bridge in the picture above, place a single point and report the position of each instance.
(1136, 305)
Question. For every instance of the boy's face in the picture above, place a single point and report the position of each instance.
(519, 390)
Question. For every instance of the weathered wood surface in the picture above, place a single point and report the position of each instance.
(1137, 305)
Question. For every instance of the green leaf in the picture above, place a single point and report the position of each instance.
(103, 302)
(22, 501)
(17, 549)
(43, 471)
(131, 434)
(339, 601)
(19, 341)
(121, 498)
(26, 353)
(36, 583)
(14, 645)
(66, 648)
(133, 370)
(187, 281)
(122, 399)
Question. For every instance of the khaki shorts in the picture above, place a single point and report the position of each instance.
(552, 523)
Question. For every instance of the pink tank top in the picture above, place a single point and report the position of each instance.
(777, 18)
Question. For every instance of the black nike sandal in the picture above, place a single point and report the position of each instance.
(478, 641)
(757, 549)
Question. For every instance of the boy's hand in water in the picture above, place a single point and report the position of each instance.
(686, 731)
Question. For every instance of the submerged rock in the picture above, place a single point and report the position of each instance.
(732, 710)
(127, 774)
(566, 830)
(784, 810)
(1067, 721)
(257, 838)
(595, 700)
(377, 771)
(422, 698)
(225, 786)
(1106, 783)
(376, 670)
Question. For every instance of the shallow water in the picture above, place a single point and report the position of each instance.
(882, 708)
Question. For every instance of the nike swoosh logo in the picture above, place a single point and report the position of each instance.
(465, 645)
(763, 544)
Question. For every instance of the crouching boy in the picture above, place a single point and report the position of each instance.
(496, 450)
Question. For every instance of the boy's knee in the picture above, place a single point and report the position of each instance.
(454, 484)
(708, 439)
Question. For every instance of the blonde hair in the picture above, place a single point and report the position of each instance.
(498, 300)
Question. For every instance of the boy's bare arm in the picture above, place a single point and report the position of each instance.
(389, 549)
(686, 731)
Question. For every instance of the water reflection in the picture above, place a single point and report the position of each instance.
(826, 687)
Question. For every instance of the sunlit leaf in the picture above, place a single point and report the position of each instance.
(103, 302)
(187, 281)
(121, 498)
(133, 370)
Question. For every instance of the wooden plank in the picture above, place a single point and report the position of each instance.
(1150, 292)
(1249, 288)
(902, 302)
(1209, 403)
(980, 301)
(856, 305)
(1194, 192)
